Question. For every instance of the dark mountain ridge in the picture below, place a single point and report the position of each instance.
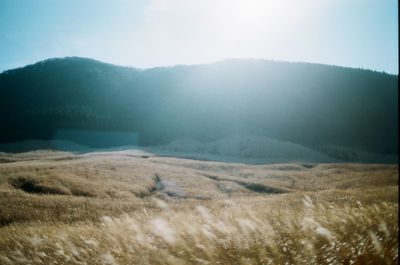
(309, 104)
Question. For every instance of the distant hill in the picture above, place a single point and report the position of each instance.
(309, 104)
(248, 149)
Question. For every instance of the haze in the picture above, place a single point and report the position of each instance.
(360, 34)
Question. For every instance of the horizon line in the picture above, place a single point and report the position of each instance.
(196, 64)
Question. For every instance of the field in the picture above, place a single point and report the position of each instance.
(132, 207)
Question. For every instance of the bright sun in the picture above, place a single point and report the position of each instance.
(248, 17)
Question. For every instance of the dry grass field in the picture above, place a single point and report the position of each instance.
(130, 207)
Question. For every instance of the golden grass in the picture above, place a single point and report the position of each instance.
(121, 208)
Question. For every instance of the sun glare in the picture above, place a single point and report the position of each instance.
(245, 20)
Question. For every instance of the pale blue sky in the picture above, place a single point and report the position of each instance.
(147, 33)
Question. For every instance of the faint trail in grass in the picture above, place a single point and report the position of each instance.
(254, 187)
(167, 187)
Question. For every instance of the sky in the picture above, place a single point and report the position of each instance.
(148, 33)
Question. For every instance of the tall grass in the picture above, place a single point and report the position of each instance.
(232, 233)
(329, 214)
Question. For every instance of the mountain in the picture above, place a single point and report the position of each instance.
(308, 104)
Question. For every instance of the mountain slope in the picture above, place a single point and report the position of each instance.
(309, 104)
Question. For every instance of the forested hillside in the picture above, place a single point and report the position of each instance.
(309, 104)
